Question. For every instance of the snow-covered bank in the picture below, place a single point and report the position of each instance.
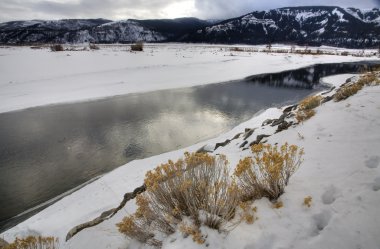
(341, 173)
(32, 78)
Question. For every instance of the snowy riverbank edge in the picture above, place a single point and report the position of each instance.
(340, 172)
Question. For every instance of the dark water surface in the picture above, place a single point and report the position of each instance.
(49, 150)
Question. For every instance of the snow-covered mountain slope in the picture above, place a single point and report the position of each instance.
(34, 31)
(66, 24)
(334, 26)
(123, 31)
(368, 16)
(304, 25)
(97, 30)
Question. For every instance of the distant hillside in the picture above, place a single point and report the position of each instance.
(318, 25)
(97, 30)
(302, 25)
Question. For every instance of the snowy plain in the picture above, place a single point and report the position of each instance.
(341, 170)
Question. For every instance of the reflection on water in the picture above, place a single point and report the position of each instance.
(46, 151)
(308, 77)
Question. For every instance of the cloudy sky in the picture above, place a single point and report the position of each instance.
(145, 9)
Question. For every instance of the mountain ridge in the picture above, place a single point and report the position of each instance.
(305, 25)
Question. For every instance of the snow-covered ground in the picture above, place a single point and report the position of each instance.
(341, 171)
(35, 77)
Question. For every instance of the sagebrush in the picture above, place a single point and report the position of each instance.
(139, 46)
(197, 187)
(267, 171)
(57, 48)
(348, 90)
(93, 46)
(34, 242)
(307, 201)
(306, 108)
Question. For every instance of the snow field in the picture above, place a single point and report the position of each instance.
(341, 171)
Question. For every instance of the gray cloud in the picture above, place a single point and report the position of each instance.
(145, 9)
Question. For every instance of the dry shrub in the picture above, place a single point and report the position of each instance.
(139, 46)
(236, 49)
(57, 48)
(194, 231)
(32, 242)
(369, 79)
(198, 187)
(310, 103)
(267, 172)
(92, 46)
(303, 115)
(348, 90)
(278, 205)
(307, 201)
(248, 212)
(306, 106)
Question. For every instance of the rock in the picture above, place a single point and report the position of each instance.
(258, 139)
(328, 91)
(248, 134)
(217, 145)
(290, 108)
(290, 115)
(283, 126)
(279, 120)
(243, 144)
(236, 136)
(3, 243)
(267, 122)
(327, 99)
(203, 149)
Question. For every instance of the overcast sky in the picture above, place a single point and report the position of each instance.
(146, 9)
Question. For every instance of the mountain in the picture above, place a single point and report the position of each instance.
(302, 25)
(97, 30)
(19, 32)
(315, 25)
